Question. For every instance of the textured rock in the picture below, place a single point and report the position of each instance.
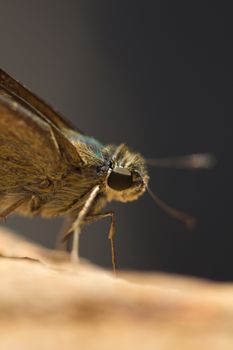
(48, 303)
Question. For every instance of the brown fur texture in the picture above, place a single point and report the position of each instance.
(48, 168)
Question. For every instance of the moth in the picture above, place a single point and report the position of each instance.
(49, 168)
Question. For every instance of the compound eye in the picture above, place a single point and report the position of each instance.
(120, 179)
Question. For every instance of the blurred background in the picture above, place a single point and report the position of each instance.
(158, 76)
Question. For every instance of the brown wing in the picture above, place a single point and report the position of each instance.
(47, 112)
(33, 154)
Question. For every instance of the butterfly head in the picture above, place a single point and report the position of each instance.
(127, 175)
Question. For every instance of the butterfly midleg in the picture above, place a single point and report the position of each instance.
(111, 234)
(64, 235)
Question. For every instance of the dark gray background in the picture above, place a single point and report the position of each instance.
(158, 76)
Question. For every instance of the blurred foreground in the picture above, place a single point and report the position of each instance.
(48, 303)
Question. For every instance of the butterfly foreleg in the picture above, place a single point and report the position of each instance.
(77, 224)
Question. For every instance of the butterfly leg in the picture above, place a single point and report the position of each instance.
(76, 226)
(63, 235)
(12, 207)
(111, 235)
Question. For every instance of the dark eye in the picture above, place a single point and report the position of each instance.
(120, 179)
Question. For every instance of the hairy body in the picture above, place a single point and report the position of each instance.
(48, 168)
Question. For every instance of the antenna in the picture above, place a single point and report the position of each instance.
(188, 220)
(192, 161)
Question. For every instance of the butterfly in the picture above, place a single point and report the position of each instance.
(49, 168)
